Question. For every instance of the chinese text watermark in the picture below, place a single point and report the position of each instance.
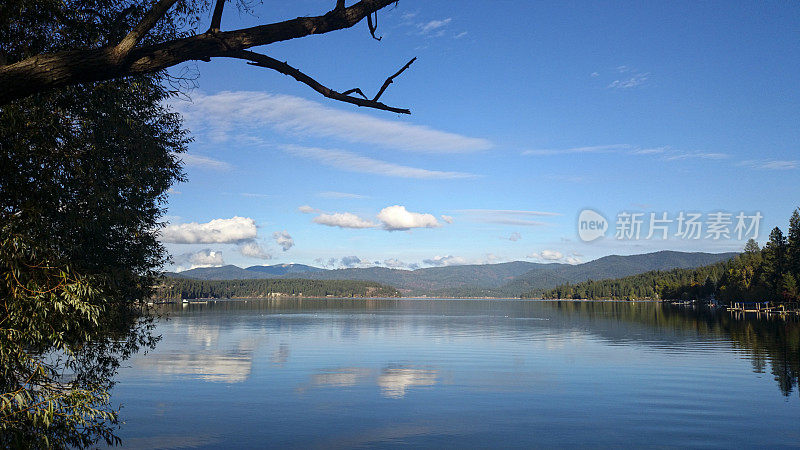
(683, 225)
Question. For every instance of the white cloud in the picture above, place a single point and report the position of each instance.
(283, 239)
(588, 149)
(520, 222)
(433, 25)
(447, 219)
(305, 209)
(651, 151)
(637, 79)
(255, 195)
(350, 261)
(556, 256)
(677, 156)
(203, 162)
(771, 164)
(448, 260)
(665, 153)
(512, 212)
(220, 113)
(514, 237)
(551, 255)
(343, 220)
(217, 231)
(397, 218)
(351, 162)
(451, 260)
(340, 195)
(392, 218)
(251, 249)
(330, 263)
(394, 263)
(514, 217)
(203, 258)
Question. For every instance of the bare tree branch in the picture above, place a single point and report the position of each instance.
(216, 18)
(355, 91)
(257, 59)
(50, 70)
(390, 80)
(143, 27)
(373, 28)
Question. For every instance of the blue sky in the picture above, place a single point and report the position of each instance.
(523, 115)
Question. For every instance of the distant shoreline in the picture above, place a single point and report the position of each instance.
(202, 300)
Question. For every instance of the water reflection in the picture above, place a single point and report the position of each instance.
(215, 368)
(217, 349)
(203, 351)
(772, 341)
(393, 380)
(280, 355)
(343, 377)
(453, 373)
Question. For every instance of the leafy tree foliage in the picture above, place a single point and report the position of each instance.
(84, 173)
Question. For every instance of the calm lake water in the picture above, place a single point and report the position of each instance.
(461, 373)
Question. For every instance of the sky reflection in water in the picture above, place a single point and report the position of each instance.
(345, 373)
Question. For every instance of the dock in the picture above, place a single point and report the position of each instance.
(761, 308)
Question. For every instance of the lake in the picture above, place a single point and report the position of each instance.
(343, 373)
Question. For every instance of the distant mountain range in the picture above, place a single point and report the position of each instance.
(487, 280)
(231, 272)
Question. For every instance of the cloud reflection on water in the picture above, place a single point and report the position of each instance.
(393, 380)
(215, 368)
(206, 353)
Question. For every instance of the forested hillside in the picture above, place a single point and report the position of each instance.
(536, 283)
(658, 284)
(485, 280)
(768, 274)
(429, 280)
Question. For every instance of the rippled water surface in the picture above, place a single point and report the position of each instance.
(461, 373)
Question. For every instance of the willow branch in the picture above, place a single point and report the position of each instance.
(120, 17)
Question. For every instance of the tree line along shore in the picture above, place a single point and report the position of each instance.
(184, 288)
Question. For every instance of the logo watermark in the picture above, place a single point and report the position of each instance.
(591, 225)
(684, 225)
